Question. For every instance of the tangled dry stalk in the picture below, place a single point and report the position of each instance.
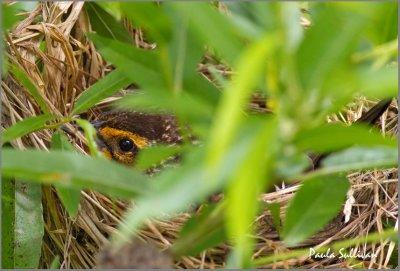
(67, 66)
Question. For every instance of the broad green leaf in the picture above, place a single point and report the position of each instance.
(327, 44)
(248, 181)
(316, 202)
(33, 90)
(29, 225)
(154, 155)
(26, 126)
(105, 24)
(380, 83)
(149, 16)
(184, 106)
(9, 15)
(7, 223)
(331, 137)
(72, 170)
(358, 158)
(139, 65)
(213, 28)
(105, 87)
(68, 196)
(201, 231)
(229, 114)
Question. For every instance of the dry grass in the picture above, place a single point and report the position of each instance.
(68, 66)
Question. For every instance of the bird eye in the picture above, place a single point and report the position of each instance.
(126, 145)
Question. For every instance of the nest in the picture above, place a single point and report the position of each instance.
(68, 66)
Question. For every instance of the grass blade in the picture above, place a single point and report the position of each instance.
(72, 170)
(26, 126)
(105, 87)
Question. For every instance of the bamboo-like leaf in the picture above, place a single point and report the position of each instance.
(313, 206)
(105, 24)
(26, 126)
(359, 158)
(105, 87)
(33, 90)
(29, 225)
(72, 170)
(331, 137)
(141, 66)
(69, 197)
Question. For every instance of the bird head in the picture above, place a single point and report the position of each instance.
(121, 135)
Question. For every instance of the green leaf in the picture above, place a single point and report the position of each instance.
(201, 231)
(275, 209)
(72, 170)
(331, 137)
(213, 28)
(105, 87)
(327, 44)
(10, 17)
(33, 90)
(249, 179)
(358, 158)
(229, 114)
(29, 225)
(90, 135)
(380, 83)
(140, 66)
(105, 24)
(149, 16)
(26, 126)
(69, 197)
(7, 223)
(155, 155)
(313, 206)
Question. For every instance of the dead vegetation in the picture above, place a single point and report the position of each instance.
(68, 65)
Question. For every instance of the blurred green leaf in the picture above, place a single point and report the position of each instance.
(380, 83)
(113, 8)
(7, 223)
(140, 66)
(201, 231)
(275, 209)
(69, 197)
(26, 126)
(105, 87)
(249, 179)
(33, 90)
(105, 24)
(149, 16)
(90, 135)
(213, 28)
(327, 44)
(229, 114)
(359, 158)
(155, 154)
(313, 206)
(9, 15)
(331, 137)
(29, 225)
(72, 170)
